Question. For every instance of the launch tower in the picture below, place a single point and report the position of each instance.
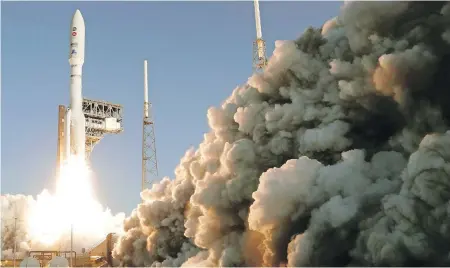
(259, 45)
(101, 118)
(149, 160)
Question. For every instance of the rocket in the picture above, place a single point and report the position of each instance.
(75, 121)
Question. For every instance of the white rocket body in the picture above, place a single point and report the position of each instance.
(77, 135)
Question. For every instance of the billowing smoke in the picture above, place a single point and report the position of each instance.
(13, 206)
(337, 154)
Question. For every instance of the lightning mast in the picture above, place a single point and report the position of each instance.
(149, 161)
(259, 45)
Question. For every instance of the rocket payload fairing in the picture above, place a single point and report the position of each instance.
(75, 130)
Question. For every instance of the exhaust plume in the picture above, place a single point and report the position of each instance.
(45, 223)
(42, 210)
(336, 155)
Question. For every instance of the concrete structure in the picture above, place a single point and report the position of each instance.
(104, 250)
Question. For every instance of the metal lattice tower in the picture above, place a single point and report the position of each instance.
(149, 160)
(101, 118)
(259, 45)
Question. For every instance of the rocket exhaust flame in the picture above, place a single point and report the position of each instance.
(46, 222)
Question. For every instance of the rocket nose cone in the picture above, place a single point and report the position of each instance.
(77, 16)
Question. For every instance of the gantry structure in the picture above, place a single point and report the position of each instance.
(101, 118)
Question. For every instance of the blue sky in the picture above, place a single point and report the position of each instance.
(198, 52)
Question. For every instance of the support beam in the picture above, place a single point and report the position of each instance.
(61, 137)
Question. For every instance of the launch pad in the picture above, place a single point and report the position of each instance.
(101, 118)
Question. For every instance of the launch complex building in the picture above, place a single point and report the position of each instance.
(101, 118)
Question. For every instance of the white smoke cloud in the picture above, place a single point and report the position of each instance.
(337, 154)
(13, 206)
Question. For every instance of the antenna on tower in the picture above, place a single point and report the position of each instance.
(259, 45)
(149, 161)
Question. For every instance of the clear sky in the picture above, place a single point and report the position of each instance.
(198, 52)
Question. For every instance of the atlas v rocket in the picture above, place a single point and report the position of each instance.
(74, 118)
